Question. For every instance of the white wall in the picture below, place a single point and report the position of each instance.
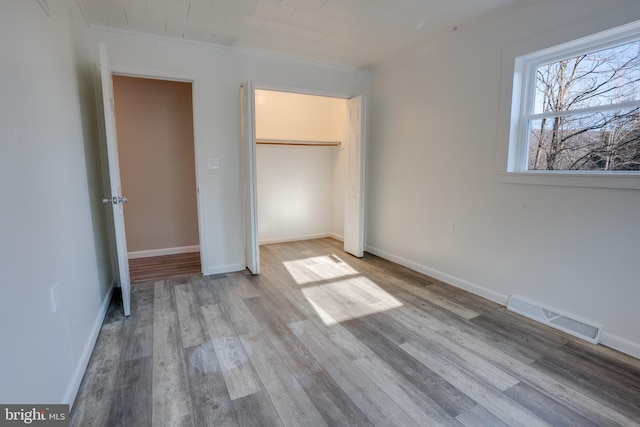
(219, 74)
(51, 221)
(296, 184)
(296, 116)
(433, 151)
(294, 192)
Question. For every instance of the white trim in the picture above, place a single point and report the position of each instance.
(337, 236)
(212, 45)
(163, 251)
(447, 278)
(621, 344)
(219, 269)
(152, 73)
(74, 384)
(294, 238)
(301, 90)
(622, 181)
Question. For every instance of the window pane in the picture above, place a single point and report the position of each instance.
(605, 141)
(606, 77)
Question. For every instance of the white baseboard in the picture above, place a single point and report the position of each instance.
(164, 251)
(621, 344)
(83, 362)
(613, 341)
(447, 278)
(336, 236)
(220, 269)
(295, 238)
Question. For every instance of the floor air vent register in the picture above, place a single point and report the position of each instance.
(563, 322)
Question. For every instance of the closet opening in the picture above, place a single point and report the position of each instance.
(301, 166)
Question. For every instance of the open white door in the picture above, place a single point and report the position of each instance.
(354, 205)
(249, 185)
(116, 200)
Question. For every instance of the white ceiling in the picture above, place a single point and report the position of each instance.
(351, 32)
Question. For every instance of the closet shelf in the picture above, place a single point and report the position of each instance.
(299, 143)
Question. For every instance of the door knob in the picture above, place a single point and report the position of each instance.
(114, 200)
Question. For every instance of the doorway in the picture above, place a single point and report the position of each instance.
(157, 169)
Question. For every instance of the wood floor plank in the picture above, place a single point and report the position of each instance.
(623, 365)
(517, 350)
(205, 292)
(415, 319)
(453, 400)
(547, 408)
(479, 417)
(211, 402)
(291, 350)
(276, 299)
(334, 404)
(617, 387)
(434, 298)
(256, 410)
(543, 382)
(445, 348)
(163, 301)
(422, 409)
(590, 382)
(519, 330)
(505, 409)
(239, 375)
(371, 400)
(335, 332)
(242, 286)
(171, 397)
(291, 402)
(139, 325)
(238, 313)
(93, 403)
(192, 330)
(133, 396)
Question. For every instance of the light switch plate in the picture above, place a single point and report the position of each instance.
(214, 163)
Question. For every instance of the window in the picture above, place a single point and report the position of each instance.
(576, 107)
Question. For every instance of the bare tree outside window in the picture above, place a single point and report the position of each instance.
(586, 114)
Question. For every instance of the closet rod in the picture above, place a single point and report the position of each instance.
(298, 143)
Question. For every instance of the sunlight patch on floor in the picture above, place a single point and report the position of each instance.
(344, 300)
(315, 269)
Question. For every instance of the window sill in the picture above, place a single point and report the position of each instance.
(626, 181)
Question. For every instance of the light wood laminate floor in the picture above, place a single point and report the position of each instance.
(323, 338)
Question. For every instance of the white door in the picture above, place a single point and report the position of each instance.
(115, 199)
(354, 204)
(249, 186)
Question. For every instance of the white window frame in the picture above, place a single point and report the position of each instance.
(522, 91)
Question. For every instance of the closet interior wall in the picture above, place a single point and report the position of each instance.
(300, 187)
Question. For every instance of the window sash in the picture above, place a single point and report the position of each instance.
(524, 91)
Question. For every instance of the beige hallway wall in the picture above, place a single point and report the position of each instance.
(154, 121)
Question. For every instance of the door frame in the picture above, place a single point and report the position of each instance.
(302, 90)
(167, 75)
